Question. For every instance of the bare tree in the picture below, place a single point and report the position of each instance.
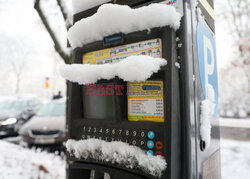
(237, 15)
(58, 47)
(18, 70)
(235, 78)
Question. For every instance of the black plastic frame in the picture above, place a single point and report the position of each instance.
(170, 129)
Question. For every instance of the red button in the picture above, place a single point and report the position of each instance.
(158, 153)
(159, 145)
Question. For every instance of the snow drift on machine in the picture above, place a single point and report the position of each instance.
(111, 19)
(207, 110)
(133, 68)
(82, 5)
(117, 153)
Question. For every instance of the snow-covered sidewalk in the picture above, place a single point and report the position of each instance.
(17, 162)
(235, 159)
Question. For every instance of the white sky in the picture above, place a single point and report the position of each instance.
(19, 20)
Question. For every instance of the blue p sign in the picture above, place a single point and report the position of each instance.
(207, 64)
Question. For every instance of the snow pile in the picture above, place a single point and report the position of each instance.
(21, 163)
(207, 111)
(117, 153)
(111, 19)
(133, 68)
(82, 5)
(235, 159)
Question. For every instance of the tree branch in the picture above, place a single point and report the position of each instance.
(64, 14)
(234, 16)
(57, 45)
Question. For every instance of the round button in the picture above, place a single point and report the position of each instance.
(150, 144)
(159, 145)
(151, 134)
(158, 153)
(150, 152)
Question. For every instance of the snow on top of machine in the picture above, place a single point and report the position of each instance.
(117, 153)
(133, 68)
(112, 18)
(82, 5)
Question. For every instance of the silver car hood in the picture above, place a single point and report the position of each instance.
(44, 123)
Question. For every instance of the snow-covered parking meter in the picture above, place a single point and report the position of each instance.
(123, 123)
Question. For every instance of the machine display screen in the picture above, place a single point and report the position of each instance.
(98, 106)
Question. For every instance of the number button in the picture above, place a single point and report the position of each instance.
(84, 129)
(107, 131)
(94, 130)
(134, 133)
(143, 134)
(113, 131)
(133, 142)
(142, 143)
(127, 133)
(89, 129)
(100, 131)
(120, 131)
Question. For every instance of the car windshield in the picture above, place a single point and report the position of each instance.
(52, 109)
(14, 105)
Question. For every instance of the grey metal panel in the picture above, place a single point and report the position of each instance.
(202, 156)
(188, 115)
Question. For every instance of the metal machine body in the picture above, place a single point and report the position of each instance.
(177, 130)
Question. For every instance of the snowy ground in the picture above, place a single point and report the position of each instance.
(17, 162)
(235, 159)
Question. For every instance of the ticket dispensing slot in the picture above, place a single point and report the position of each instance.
(138, 113)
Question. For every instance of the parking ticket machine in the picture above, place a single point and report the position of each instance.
(160, 115)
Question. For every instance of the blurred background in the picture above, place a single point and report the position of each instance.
(33, 44)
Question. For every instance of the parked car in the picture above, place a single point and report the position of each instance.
(15, 111)
(47, 127)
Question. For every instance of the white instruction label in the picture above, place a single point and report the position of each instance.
(145, 101)
(148, 107)
(151, 48)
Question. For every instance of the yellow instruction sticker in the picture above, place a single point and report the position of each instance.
(145, 101)
(151, 47)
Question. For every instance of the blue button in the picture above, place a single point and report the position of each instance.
(150, 152)
(150, 144)
(151, 134)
